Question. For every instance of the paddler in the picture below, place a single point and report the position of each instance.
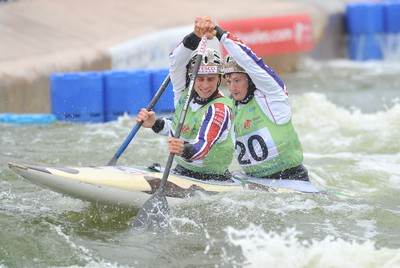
(205, 147)
(266, 142)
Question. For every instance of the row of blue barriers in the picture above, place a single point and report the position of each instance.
(104, 96)
(373, 30)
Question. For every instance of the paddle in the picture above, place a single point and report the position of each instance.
(155, 210)
(128, 139)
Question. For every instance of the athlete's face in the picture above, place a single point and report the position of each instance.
(206, 84)
(238, 85)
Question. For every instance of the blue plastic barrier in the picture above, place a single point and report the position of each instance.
(365, 18)
(365, 25)
(104, 96)
(166, 103)
(27, 119)
(126, 92)
(77, 97)
(365, 47)
(354, 18)
(392, 17)
(391, 49)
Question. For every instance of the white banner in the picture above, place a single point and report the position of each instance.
(151, 51)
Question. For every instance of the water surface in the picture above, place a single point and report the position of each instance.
(347, 115)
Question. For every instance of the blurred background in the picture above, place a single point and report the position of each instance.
(48, 47)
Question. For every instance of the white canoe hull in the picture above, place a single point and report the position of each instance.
(132, 186)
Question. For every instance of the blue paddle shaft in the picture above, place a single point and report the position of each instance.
(133, 132)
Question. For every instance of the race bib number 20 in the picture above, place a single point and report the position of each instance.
(255, 147)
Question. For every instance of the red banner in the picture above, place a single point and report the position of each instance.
(273, 35)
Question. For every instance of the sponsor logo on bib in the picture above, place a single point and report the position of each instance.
(246, 124)
(185, 129)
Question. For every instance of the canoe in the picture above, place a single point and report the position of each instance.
(132, 186)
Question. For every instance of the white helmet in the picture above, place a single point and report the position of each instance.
(210, 63)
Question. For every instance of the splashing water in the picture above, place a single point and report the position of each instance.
(270, 249)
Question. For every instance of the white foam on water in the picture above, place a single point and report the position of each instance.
(261, 248)
(327, 127)
(346, 66)
(394, 181)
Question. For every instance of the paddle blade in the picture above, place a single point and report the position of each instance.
(153, 215)
(113, 161)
